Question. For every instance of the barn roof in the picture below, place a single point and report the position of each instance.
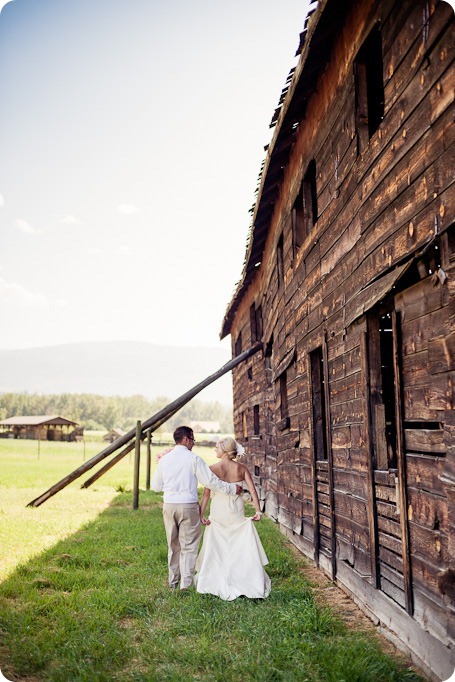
(37, 420)
(323, 20)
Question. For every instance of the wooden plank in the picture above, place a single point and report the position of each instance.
(428, 510)
(393, 592)
(387, 510)
(429, 544)
(441, 353)
(390, 542)
(392, 576)
(401, 466)
(389, 527)
(424, 440)
(391, 559)
(424, 472)
(385, 493)
(406, 56)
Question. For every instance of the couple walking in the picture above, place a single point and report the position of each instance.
(231, 561)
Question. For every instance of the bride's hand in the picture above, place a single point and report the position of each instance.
(204, 521)
(257, 516)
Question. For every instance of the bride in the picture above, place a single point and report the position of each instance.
(231, 561)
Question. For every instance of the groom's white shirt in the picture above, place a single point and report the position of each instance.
(178, 473)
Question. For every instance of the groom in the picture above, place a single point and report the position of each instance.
(177, 475)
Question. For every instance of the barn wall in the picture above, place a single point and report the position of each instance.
(379, 523)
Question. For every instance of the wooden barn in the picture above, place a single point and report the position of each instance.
(349, 283)
(41, 427)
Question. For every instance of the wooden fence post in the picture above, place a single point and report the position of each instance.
(137, 461)
(149, 459)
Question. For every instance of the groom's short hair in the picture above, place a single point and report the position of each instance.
(182, 432)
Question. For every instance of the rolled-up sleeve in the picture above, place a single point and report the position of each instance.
(156, 483)
(208, 479)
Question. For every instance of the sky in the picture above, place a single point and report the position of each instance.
(131, 139)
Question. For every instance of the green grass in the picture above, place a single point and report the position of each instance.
(94, 604)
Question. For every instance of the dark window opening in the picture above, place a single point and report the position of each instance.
(253, 324)
(256, 323)
(318, 404)
(257, 471)
(256, 420)
(310, 197)
(430, 262)
(238, 345)
(259, 322)
(280, 261)
(268, 355)
(388, 388)
(369, 88)
(250, 374)
(451, 242)
(298, 221)
(428, 426)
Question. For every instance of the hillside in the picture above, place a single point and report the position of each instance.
(115, 368)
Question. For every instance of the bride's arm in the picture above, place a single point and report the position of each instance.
(204, 501)
(253, 493)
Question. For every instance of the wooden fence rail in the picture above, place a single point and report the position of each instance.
(149, 424)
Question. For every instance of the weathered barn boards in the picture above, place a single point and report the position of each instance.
(40, 427)
(349, 281)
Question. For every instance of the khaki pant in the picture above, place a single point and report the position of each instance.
(183, 533)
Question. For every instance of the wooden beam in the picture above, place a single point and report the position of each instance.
(109, 465)
(372, 516)
(325, 356)
(401, 464)
(149, 459)
(137, 461)
(152, 423)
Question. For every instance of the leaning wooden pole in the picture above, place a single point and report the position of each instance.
(160, 416)
(123, 453)
(109, 465)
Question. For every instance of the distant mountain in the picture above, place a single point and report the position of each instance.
(115, 368)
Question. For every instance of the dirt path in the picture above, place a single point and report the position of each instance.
(327, 594)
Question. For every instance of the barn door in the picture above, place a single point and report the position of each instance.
(391, 547)
(324, 531)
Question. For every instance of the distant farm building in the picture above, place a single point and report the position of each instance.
(41, 427)
(205, 427)
(113, 435)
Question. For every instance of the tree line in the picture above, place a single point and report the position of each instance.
(106, 412)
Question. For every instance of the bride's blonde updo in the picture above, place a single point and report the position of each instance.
(229, 447)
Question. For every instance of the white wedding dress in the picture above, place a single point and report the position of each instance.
(232, 559)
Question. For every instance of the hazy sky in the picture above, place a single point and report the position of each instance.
(131, 138)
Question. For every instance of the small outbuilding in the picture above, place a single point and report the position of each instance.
(41, 427)
(113, 435)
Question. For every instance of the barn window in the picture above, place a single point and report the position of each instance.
(280, 261)
(284, 405)
(256, 429)
(256, 323)
(369, 88)
(298, 221)
(310, 197)
(238, 345)
(319, 414)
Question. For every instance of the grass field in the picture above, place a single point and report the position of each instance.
(84, 595)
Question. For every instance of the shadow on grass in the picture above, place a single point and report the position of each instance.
(96, 607)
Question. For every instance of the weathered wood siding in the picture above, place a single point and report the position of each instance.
(323, 467)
